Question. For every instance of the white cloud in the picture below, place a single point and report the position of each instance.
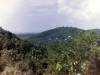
(40, 15)
(26, 15)
(80, 9)
(7, 9)
(42, 2)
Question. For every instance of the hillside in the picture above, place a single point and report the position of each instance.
(18, 54)
(36, 58)
(57, 34)
(25, 35)
(96, 31)
(8, 40)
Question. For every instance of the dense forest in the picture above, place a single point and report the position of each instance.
(60, 51)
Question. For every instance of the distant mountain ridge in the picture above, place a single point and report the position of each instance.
(59, 33)
(96, 31)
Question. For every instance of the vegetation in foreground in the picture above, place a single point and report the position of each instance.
(76, 54)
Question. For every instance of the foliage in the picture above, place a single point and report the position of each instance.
(73, 49)
(72, 54)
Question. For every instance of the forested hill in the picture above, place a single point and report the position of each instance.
(19, 55)
(8, 40)
(36, 58)
(60, 33)
(96, 31)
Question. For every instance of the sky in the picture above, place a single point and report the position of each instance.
(32, 16)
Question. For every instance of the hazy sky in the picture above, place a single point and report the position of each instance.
(39, 15)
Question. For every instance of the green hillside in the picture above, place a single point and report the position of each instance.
(95, 30)
(57, 34)
(73, 53)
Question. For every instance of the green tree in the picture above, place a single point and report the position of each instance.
(72, 54)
